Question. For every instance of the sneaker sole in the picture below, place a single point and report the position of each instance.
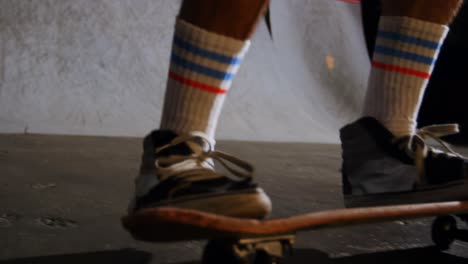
(458, 192)
(247, 204)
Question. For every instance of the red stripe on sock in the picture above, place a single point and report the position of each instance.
(399, 69)
(195, 84)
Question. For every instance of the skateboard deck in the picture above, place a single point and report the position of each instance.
(238, 237)
(174, 224)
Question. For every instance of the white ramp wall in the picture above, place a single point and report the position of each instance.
(98, 67)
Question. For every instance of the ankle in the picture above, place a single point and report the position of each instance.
(233, 18)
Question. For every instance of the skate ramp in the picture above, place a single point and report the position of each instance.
(99, 68)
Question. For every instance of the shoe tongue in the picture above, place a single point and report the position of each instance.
(196, 146)
(170, 156)
(186, 148)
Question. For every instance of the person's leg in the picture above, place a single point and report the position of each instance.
(408, 42)
(210, 39)
(385, 159)
(235, 19)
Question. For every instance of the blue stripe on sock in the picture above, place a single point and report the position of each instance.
(223, 76)
(404, 55)
(408, 39)
(179, 42)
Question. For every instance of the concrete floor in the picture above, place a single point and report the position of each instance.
(61, 198)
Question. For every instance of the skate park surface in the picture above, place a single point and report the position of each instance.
(94, 71)
(62, 198)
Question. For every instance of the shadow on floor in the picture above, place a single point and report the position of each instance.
(410, 256)
(123, 256)
(415, 255)
(301, 256)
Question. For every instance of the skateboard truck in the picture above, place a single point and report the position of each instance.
(262, 250)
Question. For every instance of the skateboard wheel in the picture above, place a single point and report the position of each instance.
(443, 230)
(220, 251)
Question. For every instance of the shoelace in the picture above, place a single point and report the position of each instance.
(416, 147)
(200, 165)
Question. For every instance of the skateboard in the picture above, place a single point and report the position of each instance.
(237, 240)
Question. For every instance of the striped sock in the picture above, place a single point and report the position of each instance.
(404, 57)
(202, 67)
